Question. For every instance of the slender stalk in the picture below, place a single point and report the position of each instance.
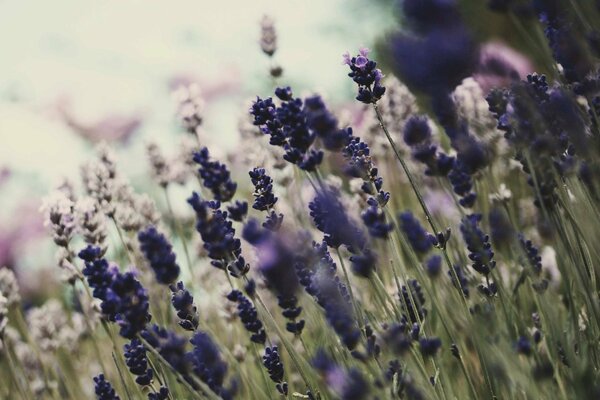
(411, 180)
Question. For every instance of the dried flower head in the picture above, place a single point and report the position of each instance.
(190, 109)
(59, 217)
(91, 222)
(268, 36)
(9, 286)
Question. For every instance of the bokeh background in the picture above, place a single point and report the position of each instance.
(75, 72)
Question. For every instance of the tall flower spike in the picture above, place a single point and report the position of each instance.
(59, 217)
(160, 167)
(268, 36)
(103, 389)
(274, 366)
(9, 287)
(264, 199)
(413, 302)
(238, 210)
(137, 362)
(368, 78)
(347, 384)
(183, 302)
(288, 128)
(127, 304)
(218, 236)
(159, 253)
(478, 244)
(332, 295)
(206, 361)
(162, 394)
(91, 222)
(169, 345)
(215, 176)
(249, 317)
(533, 257)
(190, 108)
(325, 125)
(420, 240)
(276, 264)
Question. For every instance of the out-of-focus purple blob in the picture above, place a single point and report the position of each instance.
(500, 65)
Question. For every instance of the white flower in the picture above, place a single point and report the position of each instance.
(58, 216)
(503, 194)
(9, 286)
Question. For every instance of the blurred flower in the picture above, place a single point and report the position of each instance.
(91, 222)
(207, 363)
(500, 65)
(9, 286)
(137, 362)
(103, 389)
(49, 328)
(183, 302)
(190, 107)
(249, 317)
(59, 217)
(110, 128)
(268, 36)
(215, 176)
(3, 318)
(274, 366)
(159, 254)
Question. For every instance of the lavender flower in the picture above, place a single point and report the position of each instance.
(268, 36)
(98, 272)
(160, 166)
(219, 236)
(276, 264)
(137, 362)
(238, 210)
(413, 302)
(160, 256)
(348, 385)
(433, 265)
(417, 135)
(215, 176)
(274, 366)
(169, 345)
(480, 249)
(124, 299)
(366, 76)
(374, 219)
(183, 302)
(162, 394)
(287, 127)
(533, 258)
(126, 303)
(325, 125)
(206, 362)
(91, 222)
(462, 184)
(59, 217)
(420, 240)
(459, 280)
(330, 218)
(190, 108)
(429, 346)
(248, 316)
(264, 199)
(103, 389)
(333, 297)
